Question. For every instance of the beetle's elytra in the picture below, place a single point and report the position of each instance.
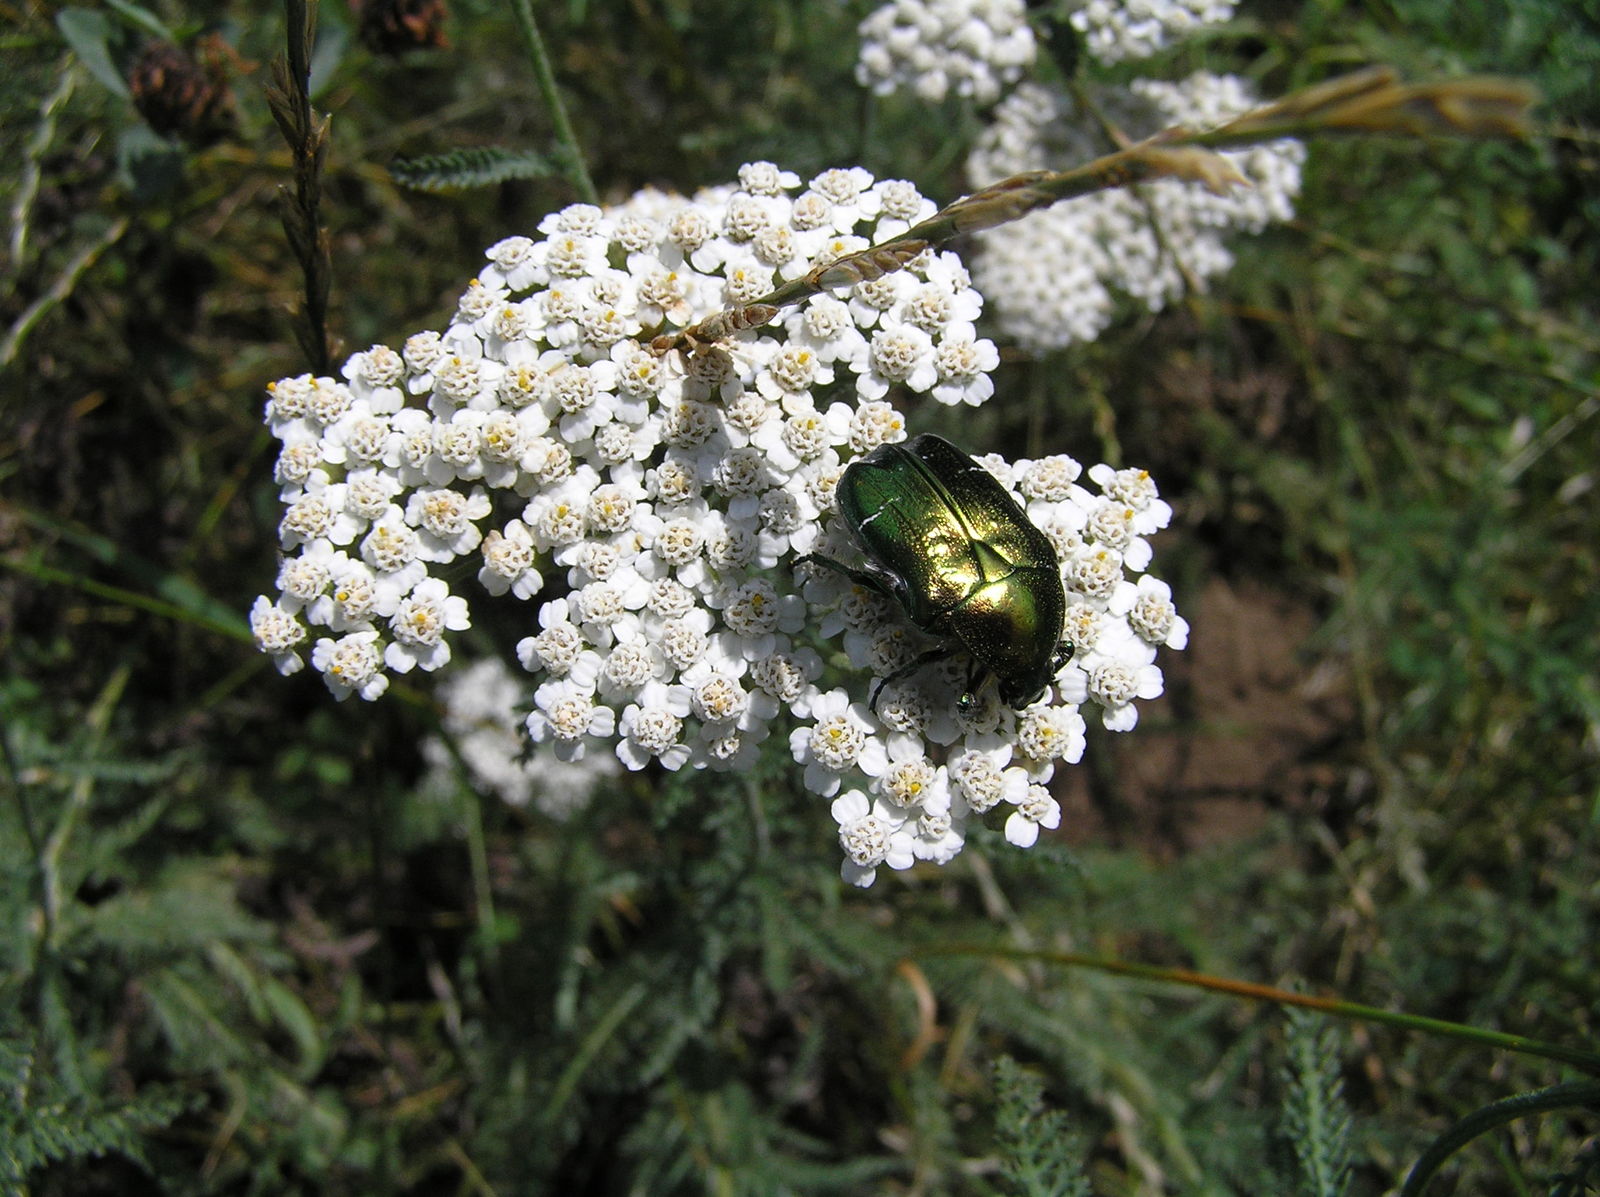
(941, 537)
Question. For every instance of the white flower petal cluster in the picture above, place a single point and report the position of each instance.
(1055, 275)
(652, 507)
(934, 47)
(1116, 30)
(479, 710)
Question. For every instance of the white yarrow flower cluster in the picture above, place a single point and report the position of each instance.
(1055, 275)
(1116, 30)
(934, 47)
(652, 507)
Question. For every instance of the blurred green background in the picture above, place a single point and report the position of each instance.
(244, 950)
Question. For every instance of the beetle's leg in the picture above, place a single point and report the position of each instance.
(937, 653)
(977, 678)
(878, 585)
(859, 576)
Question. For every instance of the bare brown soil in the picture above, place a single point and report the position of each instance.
(1246, 726)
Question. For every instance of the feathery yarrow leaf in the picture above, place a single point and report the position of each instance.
(1315, 1118)
(1583, 1177)
(1039, 1155)
(470, 166)
(41, 1123)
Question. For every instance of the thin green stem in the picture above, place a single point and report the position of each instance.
(477, 844)
(571, 151)
(482, 889)
(1479, 1122)
(306, 133)
(99, 719)
(1587, 1061)
(46, 972)
(599, 1035)
(233, 629)
(33, 169)
(58, 292)
(19, 787)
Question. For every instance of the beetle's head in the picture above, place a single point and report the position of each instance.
(1023, 690)
(1014, 692)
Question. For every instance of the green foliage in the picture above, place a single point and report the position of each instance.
(1553, 39)
(471, 166)
(43, 1122)
(1039, 1155)
(1316, 1120)
(1584, 1177)
(1481, 1121)
(90, 34)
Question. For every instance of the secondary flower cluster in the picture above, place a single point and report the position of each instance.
(479, 709)
(652, 507)
(1114, 31)
(1055, 275)
(934, 47)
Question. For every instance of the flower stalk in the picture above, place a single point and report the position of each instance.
(306, 132)
(1370, 102)
(544, 75)
(1586, 1061)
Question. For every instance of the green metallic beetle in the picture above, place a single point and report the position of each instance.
(943, 539)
